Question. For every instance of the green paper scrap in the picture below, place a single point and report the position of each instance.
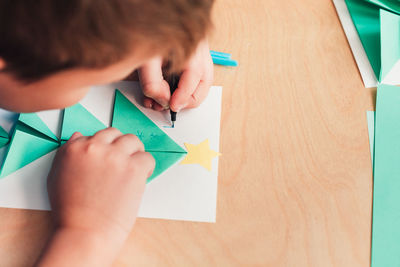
(33, 121)
(25, 147)
(4, 138)
(379, 33)
(366, 19)
(129, 119)
(386, 211)
(371, 132)
(390, 41)
(79, 119)
(391, 5)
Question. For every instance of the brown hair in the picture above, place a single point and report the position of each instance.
(41, 37)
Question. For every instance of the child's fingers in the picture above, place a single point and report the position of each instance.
(143, 164)
(107, 135)
(128, 143)
(150, 103)
(188, 83)
(153, 84)
(74, 136)
(199, 95)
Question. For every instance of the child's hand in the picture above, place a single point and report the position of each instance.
(95, 187)
(194, 84)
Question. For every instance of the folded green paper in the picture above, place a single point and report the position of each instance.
(129, 119)
(379, 33)
(31, 140)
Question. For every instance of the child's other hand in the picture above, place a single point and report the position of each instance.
(194, 84)
(95, 187)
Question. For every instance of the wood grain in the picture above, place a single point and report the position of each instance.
(295, 183)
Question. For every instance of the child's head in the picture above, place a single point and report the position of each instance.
(51, 51)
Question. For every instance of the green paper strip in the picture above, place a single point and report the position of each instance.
(24, 148)
(129, 119)
(79, 119)
(386, 211)
(32, 120)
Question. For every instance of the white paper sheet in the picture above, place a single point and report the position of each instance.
(183, 192)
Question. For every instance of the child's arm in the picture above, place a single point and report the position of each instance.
(95, 187)
(195, 81)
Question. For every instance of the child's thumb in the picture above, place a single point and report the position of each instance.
(75, 135)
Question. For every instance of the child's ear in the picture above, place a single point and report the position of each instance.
(2, 64)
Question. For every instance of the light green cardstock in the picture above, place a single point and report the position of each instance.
(378, 30)
(26, 145)
(79, 119)
(129, 119)
(32, 120)
(386, 200)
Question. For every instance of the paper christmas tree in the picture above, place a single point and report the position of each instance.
(32, 138)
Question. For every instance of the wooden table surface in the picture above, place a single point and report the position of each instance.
(295, 183)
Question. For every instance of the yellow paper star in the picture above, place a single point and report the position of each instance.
(200, 154)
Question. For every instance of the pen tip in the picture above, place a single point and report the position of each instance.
(173, 124)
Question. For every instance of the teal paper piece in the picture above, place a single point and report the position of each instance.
(386, 211)
(371, 133)
(26, 146)
(390, 41)
(378, 30)
(391, 5)
(366, 19)
(4, 138)
(129, 119)
(79, 119)
(33, 121)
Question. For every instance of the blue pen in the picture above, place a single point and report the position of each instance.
(224, 61)
(220, 54)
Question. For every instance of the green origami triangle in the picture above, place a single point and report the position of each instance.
(390, 41)
(378, 30)
(33, 121)
(366, 19)
(79, 119)
(25, 148)
(164, 160)
(129, 119)
(4, 138)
